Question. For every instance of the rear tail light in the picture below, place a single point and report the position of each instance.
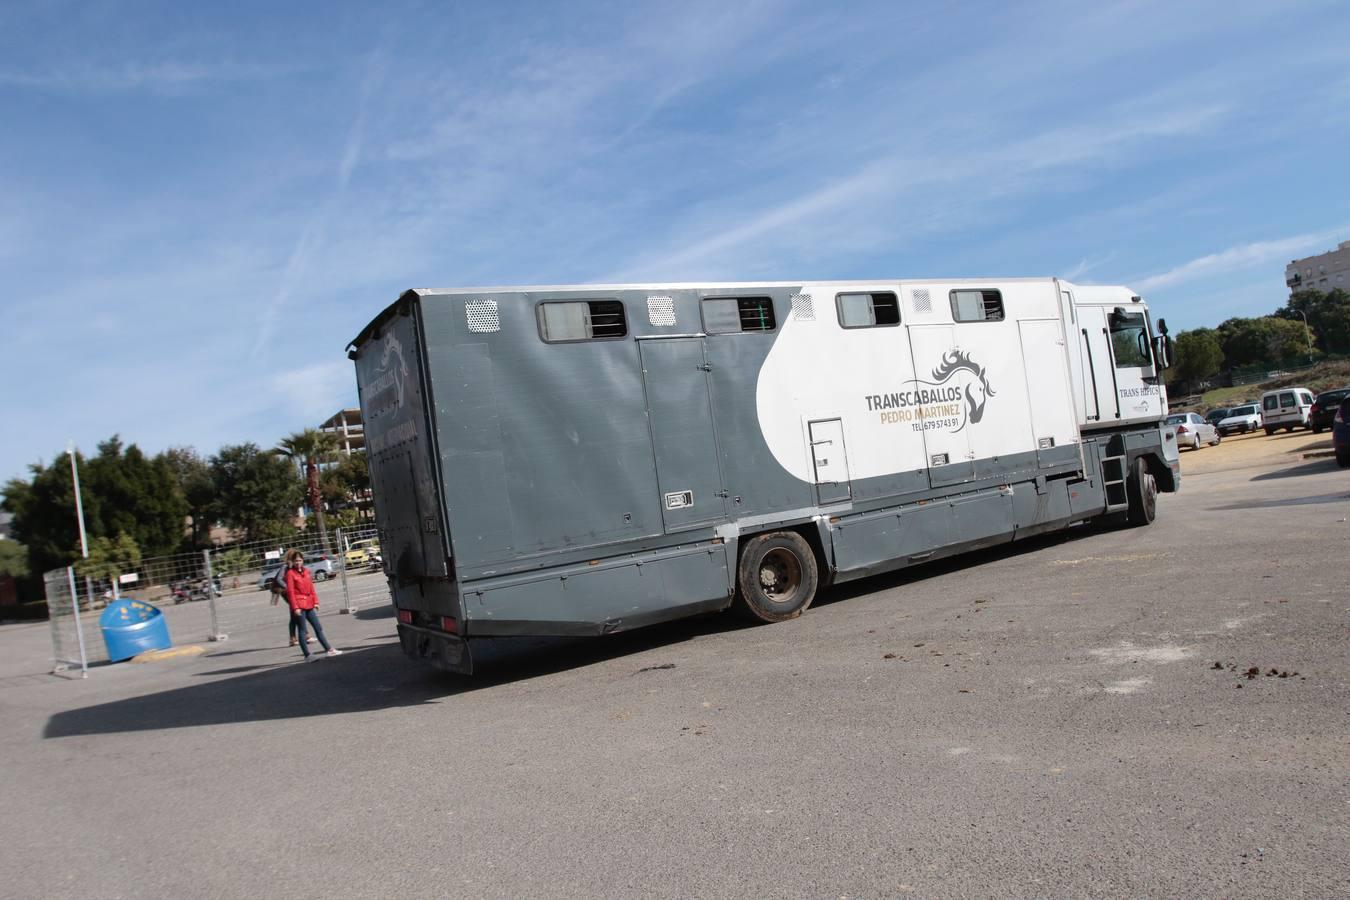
(1181, 429)
(1340, 416)
(405, 616)
(449, 624)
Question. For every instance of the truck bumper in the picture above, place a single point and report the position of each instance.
(447, 652)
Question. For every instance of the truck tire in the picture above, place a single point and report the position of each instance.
(1269, 431)
(1343, 458)
(776, 577)
(1142, 490)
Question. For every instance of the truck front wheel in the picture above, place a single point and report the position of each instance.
(1143, 494)
(776, 577)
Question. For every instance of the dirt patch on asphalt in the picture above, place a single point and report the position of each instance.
(1242, 451)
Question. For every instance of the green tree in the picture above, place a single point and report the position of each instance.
(192, 476)
(1328, 315)
(346, 482)
(1264, 340)
(256, 492)
(1198, 355)
(309, 448)
(13, 559)
(110, 557)
(44, 512)
(137, 495)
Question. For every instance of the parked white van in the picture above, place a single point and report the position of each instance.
(1286, 408)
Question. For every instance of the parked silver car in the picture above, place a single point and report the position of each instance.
(1193, 430)
(1241, 419)
(320, 569)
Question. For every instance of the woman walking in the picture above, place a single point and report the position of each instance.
(304, 602)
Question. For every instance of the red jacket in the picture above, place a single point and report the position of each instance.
(300, 589)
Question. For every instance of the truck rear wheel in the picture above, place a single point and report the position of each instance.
(1142, 490)
(776, 577)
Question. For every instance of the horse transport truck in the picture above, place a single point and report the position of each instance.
(587, 459)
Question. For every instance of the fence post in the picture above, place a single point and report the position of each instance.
(212, 595)
(347, 607)
(79, 627)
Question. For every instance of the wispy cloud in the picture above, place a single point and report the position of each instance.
(132, 76)
(1086, 265)
(940, 183)
(310, 393)
(1242, 256)
(314, 231)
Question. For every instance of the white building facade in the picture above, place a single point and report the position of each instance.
(1323, 272)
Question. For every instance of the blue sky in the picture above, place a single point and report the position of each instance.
(202, 203)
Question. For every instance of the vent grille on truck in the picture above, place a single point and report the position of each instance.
(803, 308)
(482, 316)
(661, 311)
(922, 300)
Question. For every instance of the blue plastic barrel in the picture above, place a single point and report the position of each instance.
(131, 627)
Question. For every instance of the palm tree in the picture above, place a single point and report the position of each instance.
(309, 448)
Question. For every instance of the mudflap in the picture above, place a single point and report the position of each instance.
(447, 652)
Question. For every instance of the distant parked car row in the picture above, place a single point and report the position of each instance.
(1286, 408)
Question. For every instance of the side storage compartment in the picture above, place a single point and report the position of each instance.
(601, 597)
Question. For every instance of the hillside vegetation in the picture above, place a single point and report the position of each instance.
(1321, 377)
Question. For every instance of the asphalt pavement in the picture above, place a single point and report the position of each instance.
(1161, 711)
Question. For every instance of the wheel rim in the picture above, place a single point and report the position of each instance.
(780, 575)
(1149, 487)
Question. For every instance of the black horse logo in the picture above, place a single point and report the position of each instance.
(978, 389)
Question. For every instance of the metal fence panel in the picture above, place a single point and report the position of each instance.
(211, 594)
(70, 652)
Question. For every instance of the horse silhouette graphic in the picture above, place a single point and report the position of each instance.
(958, 367)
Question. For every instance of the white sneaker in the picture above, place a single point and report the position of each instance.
(311, 657)
(334, 652)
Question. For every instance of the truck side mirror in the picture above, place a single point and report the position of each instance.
(1162, 326)
(1162, 351)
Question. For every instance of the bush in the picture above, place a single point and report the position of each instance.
(24, 612)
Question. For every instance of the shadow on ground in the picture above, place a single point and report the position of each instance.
(378, 677)
(375, 612)
(1308, 468)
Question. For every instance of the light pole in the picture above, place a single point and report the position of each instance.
(79, 504)
(1306, 331)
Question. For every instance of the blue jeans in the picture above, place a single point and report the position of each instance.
(311, 616)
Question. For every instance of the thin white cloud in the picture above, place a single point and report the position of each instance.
(131, 76)
(312, 235)
(936, 183)
(311, 393)
(1242, 256)
(1086, 265)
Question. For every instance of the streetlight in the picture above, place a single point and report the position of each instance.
(1306, 331)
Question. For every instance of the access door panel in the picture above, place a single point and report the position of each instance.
(1103, 399)
(938, 409)
(688, 475)
(1054, 431)
(831, 461)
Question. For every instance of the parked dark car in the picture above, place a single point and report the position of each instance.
(1340, 434)
(1324, 408)
(1215, 416)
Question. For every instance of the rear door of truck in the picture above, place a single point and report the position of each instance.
(401, 452)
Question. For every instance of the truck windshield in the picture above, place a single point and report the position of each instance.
(1129, 340)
